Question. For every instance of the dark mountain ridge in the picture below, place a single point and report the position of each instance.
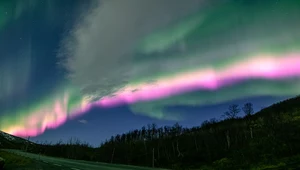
(8, 141)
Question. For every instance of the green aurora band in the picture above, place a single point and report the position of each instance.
(210, 44)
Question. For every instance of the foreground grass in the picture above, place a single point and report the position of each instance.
(289, 163)
(13, 161)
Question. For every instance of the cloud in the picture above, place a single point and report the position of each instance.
(98, 51)
(83, 121)
(118, 44)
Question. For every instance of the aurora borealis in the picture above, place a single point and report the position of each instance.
(148, 55)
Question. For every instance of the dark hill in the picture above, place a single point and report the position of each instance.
(289, 105)
(8, 141)
(268, 139)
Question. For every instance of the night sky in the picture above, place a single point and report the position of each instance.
(92, 69)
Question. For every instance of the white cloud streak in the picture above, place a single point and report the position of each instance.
(83, 121)
(98, 49)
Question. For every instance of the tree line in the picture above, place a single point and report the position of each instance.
(230, 143)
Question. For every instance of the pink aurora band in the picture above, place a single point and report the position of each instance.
(259, 66)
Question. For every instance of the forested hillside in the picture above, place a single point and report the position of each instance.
(269, 137)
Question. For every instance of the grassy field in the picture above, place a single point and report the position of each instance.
(15, 162)
(289, 163)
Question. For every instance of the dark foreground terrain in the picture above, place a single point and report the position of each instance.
(267, 139)
(18, 160)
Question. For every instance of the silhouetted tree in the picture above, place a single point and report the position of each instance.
(248, 109)
(232, 112)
